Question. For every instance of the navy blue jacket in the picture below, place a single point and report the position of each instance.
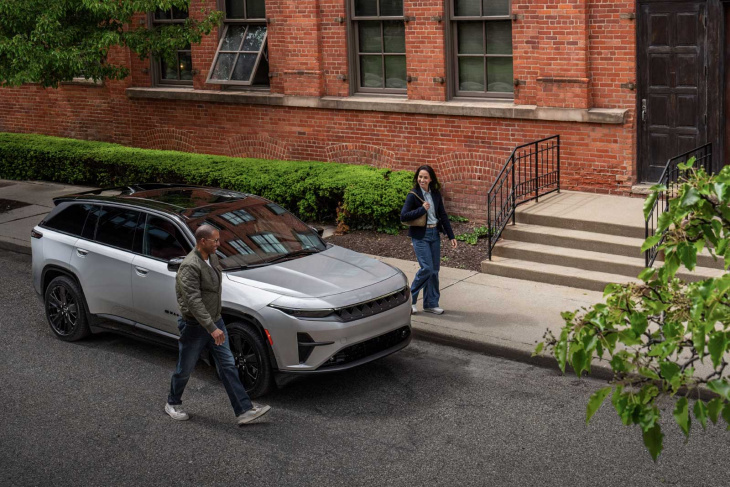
(413, 208)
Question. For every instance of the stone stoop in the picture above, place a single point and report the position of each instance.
(580, 240)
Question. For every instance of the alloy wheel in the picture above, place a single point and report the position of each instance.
(63, 310)
(247, 359)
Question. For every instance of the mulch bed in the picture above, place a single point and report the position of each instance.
(399, 246)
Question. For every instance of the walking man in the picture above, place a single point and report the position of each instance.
(198, 287)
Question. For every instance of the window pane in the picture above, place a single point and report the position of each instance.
(234, 36)
(241, 247)
(369, 34)
(163, 240)
(391, 7)
(496, 7)
(223, 66)
(71, 220)
(244, 67)
(234, 9)
(254, 38)
(394, 36)
(395, 72)
(162, 14)
(471, 74)
(499, 74)
(179, 14)
(366, 8)
(499, 37)
(169, 70)
(117, 228)
(470, 36)
(256, 9)
(186, 66)
(468, 7)
(371, 71)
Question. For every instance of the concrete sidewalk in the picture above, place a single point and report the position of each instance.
(489, 314)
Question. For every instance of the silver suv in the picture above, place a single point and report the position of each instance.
(106, 260)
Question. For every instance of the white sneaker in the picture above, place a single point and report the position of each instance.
(176, 412)
(414, 310)
(436, 311)
(253, 413)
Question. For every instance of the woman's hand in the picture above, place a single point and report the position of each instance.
(426, 205)
(453, 243)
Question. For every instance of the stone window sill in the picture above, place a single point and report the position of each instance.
(461, 108)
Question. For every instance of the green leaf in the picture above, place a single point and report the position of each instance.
(579, 360)
(714, 407)
(698, 340)
(653, 440)
(651, 242)
(681, 415)
(669, 370)
(595, 402)
(700, 411)
(538, 349)
(646, 372)
(649, 203)
(720, 190)
(647, 274)
(688, 255)
(663, 222)
(720, 387)
(716, 346)
(639, 323)
(690, 197)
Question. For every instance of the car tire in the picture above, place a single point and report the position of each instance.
(66, 310)
(252, 358)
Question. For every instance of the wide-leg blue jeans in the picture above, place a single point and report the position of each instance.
(428, 253)
(194, 338)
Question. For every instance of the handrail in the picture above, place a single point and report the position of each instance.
(530, 169)
(670, 178)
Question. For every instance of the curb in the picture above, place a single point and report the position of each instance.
(14, 247)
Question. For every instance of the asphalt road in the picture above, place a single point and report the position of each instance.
(91, 413)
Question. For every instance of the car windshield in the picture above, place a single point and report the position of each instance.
(255, 231)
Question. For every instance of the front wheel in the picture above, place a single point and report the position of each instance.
(252, 359)
(65, 309)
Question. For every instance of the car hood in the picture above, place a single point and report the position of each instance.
(332, 271)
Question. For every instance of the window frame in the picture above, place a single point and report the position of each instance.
(156, 63)
(453, 53)
(145, 226)
(222, 31)
(354, 51)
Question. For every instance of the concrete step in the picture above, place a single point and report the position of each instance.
(552, 274)
(587, 260)
(559, 221)
(595, 242)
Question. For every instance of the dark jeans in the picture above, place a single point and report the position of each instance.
(194, 338)
(428, 253)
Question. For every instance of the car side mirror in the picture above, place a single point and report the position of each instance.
(174, 264)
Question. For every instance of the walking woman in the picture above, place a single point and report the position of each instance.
(425, 199)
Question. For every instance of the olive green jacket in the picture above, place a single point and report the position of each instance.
(198, 288)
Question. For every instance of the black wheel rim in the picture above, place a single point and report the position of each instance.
(62, 310)
(248, 360)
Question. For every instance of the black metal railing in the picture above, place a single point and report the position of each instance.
(672, 178)
(533, 170)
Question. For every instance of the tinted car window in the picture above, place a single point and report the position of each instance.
(70, 220)
(163, 240)
(91, 221)
(117, 227)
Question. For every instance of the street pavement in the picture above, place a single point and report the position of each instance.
(90, 413)
(491, 314)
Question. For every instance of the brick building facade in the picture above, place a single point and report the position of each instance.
(453, 83)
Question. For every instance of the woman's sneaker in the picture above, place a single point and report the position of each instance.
(253, 413)
(414, 310)
(176, 412)
(436, 311)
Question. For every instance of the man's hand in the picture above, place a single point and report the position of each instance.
(218, 336)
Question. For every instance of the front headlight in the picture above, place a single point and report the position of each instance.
(304, 313)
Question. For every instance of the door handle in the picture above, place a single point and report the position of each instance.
(81, 252)
(643, 110)
(141, 271)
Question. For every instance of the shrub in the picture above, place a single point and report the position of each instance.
(369, 197)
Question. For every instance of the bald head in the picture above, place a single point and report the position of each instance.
(204, 231)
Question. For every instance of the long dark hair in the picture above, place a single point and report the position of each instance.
(434, 185)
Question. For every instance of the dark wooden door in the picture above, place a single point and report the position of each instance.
(672, 75)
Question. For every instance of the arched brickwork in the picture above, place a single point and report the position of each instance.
(466, 178)
(258, 146)
(169, 139)
(370, 155)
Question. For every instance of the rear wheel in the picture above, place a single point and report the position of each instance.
(65, 309)
(252, 358)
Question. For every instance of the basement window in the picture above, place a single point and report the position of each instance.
(242, 57)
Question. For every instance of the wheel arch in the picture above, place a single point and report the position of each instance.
(50, 272)
(231, 315)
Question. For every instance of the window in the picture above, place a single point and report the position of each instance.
(242, 57)
(275, 209)
(482, 40)
(163, 240)
(236, 217)
(69, 220)
(379, 45)
(117, 227)
(309, 240)
(269, 243)
(241, 247)
(181, 72)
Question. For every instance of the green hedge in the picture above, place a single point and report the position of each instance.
(369, 197)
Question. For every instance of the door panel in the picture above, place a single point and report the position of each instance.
(154, 294)
(671, 57)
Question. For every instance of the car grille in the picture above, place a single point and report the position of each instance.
(368, 347)
(370, 308)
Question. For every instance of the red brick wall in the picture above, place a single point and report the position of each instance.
(568, 53)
